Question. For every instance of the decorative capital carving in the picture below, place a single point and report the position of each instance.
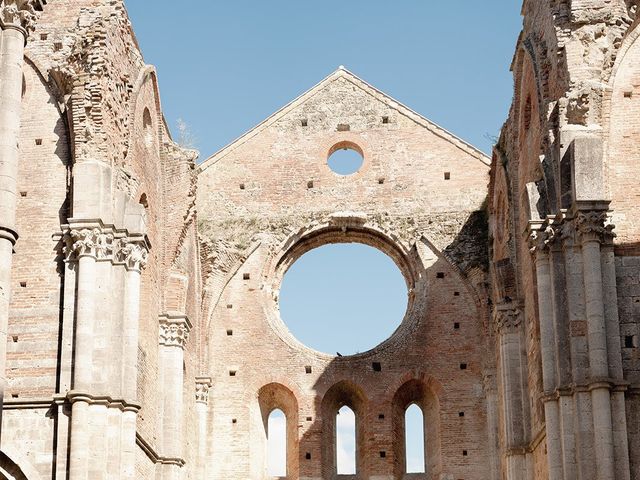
(507, 319)
(203, 384)
(133, 253)
(174, 331)
(20, 14)
(93, 242)
(538, 240)
(594, 226)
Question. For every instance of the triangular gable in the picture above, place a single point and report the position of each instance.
(343, 73)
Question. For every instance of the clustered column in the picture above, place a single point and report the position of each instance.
(575, 275)
(103, 394)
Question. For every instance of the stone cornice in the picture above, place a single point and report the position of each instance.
(74, 396)
(612, 384)
(174, 329)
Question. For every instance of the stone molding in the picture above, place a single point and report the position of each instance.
(20, 14)
(8, 234)
(203, 384)
(74, 396)
(156, 458)
(610, 384)
(174, 330)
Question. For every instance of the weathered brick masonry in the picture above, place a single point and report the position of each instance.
(143, 339)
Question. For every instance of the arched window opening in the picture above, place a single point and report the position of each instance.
(414, 439)
(147, 125)
(277, 444)
(346, 441)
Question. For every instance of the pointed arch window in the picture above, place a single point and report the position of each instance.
(346, 441)
(277, 444)
(414, 439)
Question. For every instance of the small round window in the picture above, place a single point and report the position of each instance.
(345, 158)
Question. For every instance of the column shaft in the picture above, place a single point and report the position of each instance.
(547, 347)
(11, 60)
(598, 358)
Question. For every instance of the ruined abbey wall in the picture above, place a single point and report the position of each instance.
(141, 320)
(270, 197)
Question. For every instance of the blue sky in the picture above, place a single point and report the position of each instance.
(224, 66)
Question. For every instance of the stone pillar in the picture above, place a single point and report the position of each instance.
(539, 240)
(85, 244)
(17, 17)
(202, 405)
(174, 332)
(134, 254)
(508, 323)
(591, 228)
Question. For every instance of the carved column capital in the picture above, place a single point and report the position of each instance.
(538, 239)
(203, 384)
(594, 226)
(20, 14)
(133, 253)
(507, 319)
(92, 242)
(174, 330)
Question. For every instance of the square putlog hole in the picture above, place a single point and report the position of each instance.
(229, 333)
(447, 175)
(246, 276)
(377, 366)
(307, 369)
(232, 373)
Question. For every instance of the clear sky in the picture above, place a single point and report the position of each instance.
(224, 66)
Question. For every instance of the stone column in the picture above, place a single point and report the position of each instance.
(539, 240)
(134, 254)
(174, 332)
(84, 244)
(202, 405)
(591, 227)
(508, 323)
(16, 18)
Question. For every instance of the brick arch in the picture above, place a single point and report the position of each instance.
(421, 390)
(277, 396)
(343, 393)
(341, 229)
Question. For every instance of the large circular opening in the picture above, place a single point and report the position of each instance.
(345, 158)
(343, 298)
